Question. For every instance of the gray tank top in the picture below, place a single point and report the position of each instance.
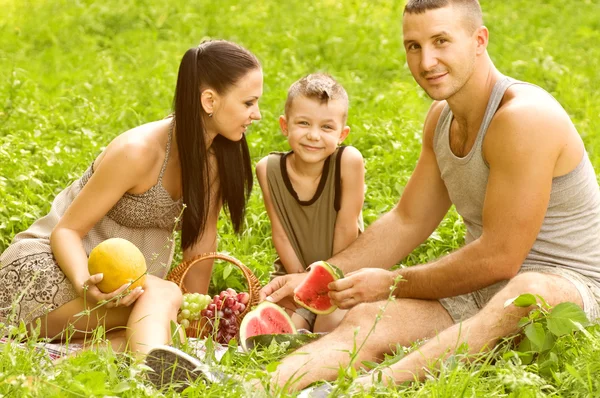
(570, 234)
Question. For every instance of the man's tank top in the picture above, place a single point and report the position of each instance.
(570, 233)
(309, 225)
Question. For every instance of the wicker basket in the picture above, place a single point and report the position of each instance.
(177, 275)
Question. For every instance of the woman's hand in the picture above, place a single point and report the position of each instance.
(363, 285)
(119, 298)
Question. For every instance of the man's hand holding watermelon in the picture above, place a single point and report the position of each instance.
(362, 286)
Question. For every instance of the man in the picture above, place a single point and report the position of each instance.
(506, 154)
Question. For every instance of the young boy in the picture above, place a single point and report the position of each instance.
(313, 194)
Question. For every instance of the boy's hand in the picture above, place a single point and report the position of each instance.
(363, 285)
(281, 287)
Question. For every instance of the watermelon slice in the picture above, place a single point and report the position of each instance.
(266, 318)
(312, 293)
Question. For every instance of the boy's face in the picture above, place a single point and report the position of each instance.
(314, 129)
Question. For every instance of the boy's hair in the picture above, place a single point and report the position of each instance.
(471, 8)
(317, 86)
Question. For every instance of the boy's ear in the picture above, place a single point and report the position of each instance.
(345, 132)
(283, 125)
(207, 100)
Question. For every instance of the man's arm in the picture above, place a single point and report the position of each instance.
(522, 146)
(422, 206)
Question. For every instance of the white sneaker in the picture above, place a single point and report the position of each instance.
(172, 366)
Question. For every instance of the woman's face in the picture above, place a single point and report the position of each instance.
(235, 110)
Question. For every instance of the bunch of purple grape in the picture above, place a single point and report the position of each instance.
(222, 313)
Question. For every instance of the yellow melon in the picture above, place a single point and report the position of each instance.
(120, 261)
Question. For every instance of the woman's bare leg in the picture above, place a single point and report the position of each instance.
(146, 323)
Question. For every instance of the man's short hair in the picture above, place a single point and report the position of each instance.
(472, 9)
(318, 86)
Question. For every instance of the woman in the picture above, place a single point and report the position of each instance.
(135, 190)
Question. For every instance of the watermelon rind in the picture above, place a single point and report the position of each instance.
(255, 314)
(294, 341)
(338, 272)
(335, 272)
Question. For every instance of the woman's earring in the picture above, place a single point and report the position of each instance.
(210, 114)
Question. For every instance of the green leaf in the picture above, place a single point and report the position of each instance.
(549, 342)
(175, 336)
(560, 320)
(272, 367)
(549, 365)
(535, 314)
(352, 373)
(227, 271)
(121, 387)
(525, 300)
(575, 373)
(93, 381)
(523, 321)
(370, 364)
(541, 299)
(524, 351)
(536, 334)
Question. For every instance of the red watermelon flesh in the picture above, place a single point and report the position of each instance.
(267, 318)
(312, 293)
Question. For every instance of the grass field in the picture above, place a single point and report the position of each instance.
(74, 74)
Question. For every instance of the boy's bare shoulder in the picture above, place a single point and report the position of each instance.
(351, 154)
(261, 167)
(262, 162)
(352, 161)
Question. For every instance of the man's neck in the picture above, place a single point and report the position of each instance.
(469, 104)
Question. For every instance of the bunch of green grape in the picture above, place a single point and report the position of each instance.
(193, 304)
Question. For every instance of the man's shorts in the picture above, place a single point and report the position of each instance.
(465, 306)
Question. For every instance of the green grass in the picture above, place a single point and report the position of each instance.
(74, 74)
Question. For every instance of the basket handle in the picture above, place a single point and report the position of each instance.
(177, 275)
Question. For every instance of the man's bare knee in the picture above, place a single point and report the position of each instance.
(554, 289)
(362, 313)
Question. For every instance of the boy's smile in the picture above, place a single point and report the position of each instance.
(314, 128)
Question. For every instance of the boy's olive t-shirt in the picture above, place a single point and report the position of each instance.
(309, 225)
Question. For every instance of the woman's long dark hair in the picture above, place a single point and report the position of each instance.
(215, 64)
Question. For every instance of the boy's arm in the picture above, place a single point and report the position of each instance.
(352, 198)
(286, 252)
